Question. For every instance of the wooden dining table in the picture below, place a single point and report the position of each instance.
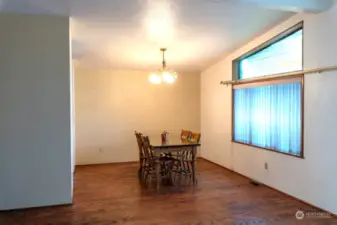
(173, 144)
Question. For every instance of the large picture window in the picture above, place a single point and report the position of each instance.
(268, 113)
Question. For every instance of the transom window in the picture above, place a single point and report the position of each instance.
(283, 56)
(268, 113)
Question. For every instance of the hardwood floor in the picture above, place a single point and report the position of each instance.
(111, 194)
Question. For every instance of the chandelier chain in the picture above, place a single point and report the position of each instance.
(164, 62)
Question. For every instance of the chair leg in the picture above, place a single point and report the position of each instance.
(148, 170)
(178, 169)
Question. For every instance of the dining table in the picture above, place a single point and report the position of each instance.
(173, 144)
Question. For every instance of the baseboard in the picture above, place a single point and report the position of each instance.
(293, 197)
(107, 163)
(115, 163)
(37, 207)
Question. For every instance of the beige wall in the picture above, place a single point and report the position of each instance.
(309, 179)
(111, 104)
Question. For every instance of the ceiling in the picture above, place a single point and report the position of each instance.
(127, 34)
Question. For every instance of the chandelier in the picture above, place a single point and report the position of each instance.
(164, 74)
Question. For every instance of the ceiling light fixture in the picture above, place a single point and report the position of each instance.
(164, 74)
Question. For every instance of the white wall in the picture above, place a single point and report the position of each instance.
(72, 108)
(111, 104)
(312, 179)
(35, 111)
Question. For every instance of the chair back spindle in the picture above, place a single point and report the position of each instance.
(147, 147)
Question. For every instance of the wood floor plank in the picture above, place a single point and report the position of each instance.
(112, 194)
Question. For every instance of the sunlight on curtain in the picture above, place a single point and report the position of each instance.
(281, 57)
(269, 117)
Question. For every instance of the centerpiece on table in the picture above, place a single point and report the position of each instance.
(164, 136)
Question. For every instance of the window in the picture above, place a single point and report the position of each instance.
(281, 57)
(268, 113)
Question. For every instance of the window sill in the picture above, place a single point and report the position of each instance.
(269, 149)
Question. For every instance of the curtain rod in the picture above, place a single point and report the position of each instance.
(291, 74)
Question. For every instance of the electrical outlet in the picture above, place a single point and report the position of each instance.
(266, 166)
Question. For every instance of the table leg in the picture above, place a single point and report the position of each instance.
(158, 178)
(194, 156)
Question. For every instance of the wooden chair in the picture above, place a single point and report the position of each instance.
(194, 137)
(185, 134)
(141, 152)
(183, 163)
(150, 163)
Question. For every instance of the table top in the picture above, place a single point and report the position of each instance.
(173, 141)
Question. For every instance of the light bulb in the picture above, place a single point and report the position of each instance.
(155, 79)
(168, 77)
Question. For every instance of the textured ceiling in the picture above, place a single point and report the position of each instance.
(127, 34)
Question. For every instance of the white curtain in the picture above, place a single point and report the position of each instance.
(269, 117)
